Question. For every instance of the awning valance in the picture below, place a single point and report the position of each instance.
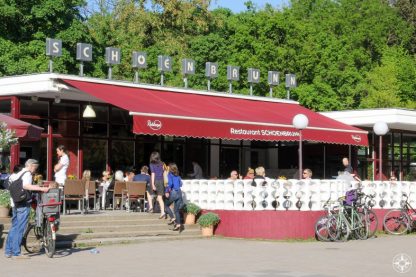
(211, 115)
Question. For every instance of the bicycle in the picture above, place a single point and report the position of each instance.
(365, 207)
(347, 220)
(321, 225)
(41, 233)
(400, 221)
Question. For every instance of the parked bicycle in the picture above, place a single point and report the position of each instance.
(348, 220)
(321, 225)
(41, 232)
(365, 205)
(400, 221)
(343, 218)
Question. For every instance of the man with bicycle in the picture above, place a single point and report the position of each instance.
(21, 210)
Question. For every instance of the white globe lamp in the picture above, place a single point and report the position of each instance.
(300, 122)
(380, 129)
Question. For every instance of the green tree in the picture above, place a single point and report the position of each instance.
(26, 25)
(390, 84)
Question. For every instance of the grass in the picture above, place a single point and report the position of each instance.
(89, 231)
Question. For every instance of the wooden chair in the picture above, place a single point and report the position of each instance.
(74, 190)
(119, 187)
(90, 193)
(135, 191)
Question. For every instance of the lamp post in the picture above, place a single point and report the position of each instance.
(380, 129)
(300, 122)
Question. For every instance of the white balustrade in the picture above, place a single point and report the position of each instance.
(291, 194)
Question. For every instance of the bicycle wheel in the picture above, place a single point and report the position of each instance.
(49, 242)
(338, 229)
(31, 240)
(361, 226)
(372, 222)
(396, 222)
(321, 229)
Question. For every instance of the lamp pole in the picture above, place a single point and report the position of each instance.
(300, 122)
(380, 129)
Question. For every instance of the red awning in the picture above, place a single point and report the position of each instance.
(24, 130)
(209, 115)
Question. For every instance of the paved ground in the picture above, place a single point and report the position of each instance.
(223, 257)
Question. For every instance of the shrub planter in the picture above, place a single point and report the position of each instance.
(4, 203)
(191, 210)
(207, 231)
(207, 222)
(4, 211)
(189, 219)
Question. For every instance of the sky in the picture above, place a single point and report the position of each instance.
(238, 5)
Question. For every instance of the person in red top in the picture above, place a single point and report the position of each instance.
(250, 174)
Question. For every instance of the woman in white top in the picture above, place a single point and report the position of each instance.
(62, 166)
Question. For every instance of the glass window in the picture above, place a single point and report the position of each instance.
(197, 150)
(42, 122)
(120, 116)
(122, 153)
(35, 150)
(95, 156)
(38, 108)
(65, 127)
(121, 131)
(5, 106)
(173, 152)
(143, 151)
(94, 129)
(229, 160)
(65, 111)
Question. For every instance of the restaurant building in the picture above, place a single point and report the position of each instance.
(398, 145)
(220, 131)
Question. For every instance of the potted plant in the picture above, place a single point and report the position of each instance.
(191, 210)
(4, 203)
(207, 222)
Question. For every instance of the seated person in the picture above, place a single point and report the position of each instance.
(118, 177)
(103, 187)
(144, 176)
(234, 175)
(260, 178)
(307, 174)
(250, 174)
(129, 174)
(393, 177)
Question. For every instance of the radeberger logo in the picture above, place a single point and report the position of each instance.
(356, 138)
(154, 125)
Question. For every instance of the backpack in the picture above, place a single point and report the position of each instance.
(17, 192)
(351, 197)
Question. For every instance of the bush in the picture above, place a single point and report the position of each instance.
(4, 198)
(208, 219)
(192, 208)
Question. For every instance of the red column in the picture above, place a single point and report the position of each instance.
(15, 149)
(50, 151)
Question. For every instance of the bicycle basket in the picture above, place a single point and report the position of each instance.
(50, 201)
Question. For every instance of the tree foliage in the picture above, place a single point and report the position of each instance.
(346, 54)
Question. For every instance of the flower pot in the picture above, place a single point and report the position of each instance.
(4, 212)
(189, 219)
(207, 231)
